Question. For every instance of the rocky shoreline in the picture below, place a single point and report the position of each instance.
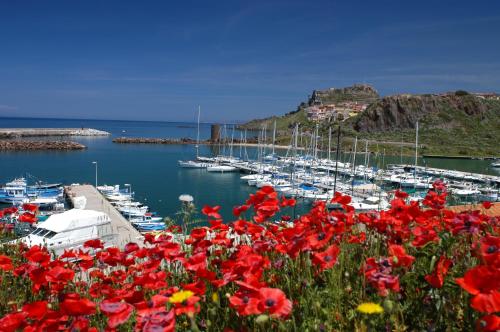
(8, 145)
(41, 132)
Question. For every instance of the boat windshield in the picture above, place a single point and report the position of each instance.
(44, 233)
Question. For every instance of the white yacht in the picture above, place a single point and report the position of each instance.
(70, 230)
(221, 168)
(369, 204)
(193, 164)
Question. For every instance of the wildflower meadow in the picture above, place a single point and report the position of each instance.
(414, 267)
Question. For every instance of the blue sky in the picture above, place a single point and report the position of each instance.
(158, 60)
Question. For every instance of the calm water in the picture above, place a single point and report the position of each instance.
(151, 169)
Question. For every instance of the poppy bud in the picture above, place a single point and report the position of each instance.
(388, 305)
(262, 319)
(433, 262)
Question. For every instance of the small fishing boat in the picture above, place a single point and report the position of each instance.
(148, 223)
(132, 211)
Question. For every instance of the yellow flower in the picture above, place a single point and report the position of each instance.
(370, 308)
(215, 297)
(180, 296)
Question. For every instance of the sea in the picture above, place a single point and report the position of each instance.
(151, 169)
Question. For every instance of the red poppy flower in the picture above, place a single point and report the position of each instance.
(439, 185)
(274, 301)
(30, 207)
(238, 210)
(13, 321)
(59, 274)
(96, 244)
(341, 199)
(199, 233)
(131, 247)
(489, 250)
(74, 306)
(487, 204)
(489, 323)
(326, 259)
(212, 212)
(288, 202)
(399, 256)
(401, 194)
(156, 320)
(27, 217)
(36, 310)
(360, 238)
(196, 262)
(117, 312)
(483, 282)
(436, 279)
(246, 303)
(5, 263)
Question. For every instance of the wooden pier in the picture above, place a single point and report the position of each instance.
(95, 201)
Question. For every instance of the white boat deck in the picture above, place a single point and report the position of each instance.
(95, 201)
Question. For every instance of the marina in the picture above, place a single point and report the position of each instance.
(158, 181)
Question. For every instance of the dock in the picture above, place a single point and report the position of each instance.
(95, 201)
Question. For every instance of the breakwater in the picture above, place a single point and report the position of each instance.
(12, 145)
(145, 140)
(43, 132)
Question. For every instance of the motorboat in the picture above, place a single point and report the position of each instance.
(70, 230)
(118, 197)
(148, 222)
(193, 164)
(221, 168)
(369, 203)
(489, 194)
(14, 192)
(132, 211)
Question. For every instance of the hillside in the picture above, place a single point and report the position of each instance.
(358, 92)
(451, 124)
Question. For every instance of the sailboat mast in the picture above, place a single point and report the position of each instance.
(416, 148)
(274, 135)
(329, 141)
(316, 142)
(354, 165)
(198, 133)
(232, 142)
(336, 161)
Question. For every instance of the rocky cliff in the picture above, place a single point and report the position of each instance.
(436, 111)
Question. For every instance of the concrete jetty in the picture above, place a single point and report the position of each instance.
(95, 201)
(42, 132)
